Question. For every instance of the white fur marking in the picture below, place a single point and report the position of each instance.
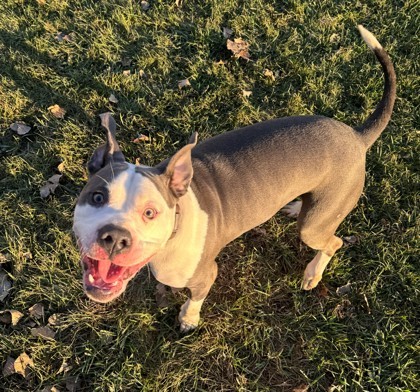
(314, 270)
(292, 209)
(369, 38)
(189, 316)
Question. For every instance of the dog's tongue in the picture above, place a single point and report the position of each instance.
(109, 272)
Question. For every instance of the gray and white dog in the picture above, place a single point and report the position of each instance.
(177, 216)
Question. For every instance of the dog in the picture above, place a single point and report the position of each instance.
(177, 216)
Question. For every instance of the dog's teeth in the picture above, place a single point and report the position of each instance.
(90, 277)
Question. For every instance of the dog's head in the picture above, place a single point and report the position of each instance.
(125, 214)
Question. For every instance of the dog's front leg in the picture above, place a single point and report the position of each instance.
(199, 286)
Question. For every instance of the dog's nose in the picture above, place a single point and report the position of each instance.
(114, 240)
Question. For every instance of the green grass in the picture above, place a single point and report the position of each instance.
(260, 332)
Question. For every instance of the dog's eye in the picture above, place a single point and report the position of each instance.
(149, 213)
(98, 198)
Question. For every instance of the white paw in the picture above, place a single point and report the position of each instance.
(188, 323)
(292, 209)
(310, 281)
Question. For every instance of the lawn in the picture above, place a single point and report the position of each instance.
(259, 330)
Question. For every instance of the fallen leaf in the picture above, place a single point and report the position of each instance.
(350, 240)
(227, 32)
(112, 98)
(50, 185)
(10, 316)
(9, 367)
(20, 128)
(37, 311)
(73, 384)
(141, 138)
(344, 289)
(269, 74)
(343, 310)
(184, 83)
(54, 319)
(239, 47)
(127, 72)
(145, 5)
(64, 368)
(57, 111)
(322, 290)
(64, 37)
(5, 285)
(21, 364)
(43, 332)
(60, 167)
(246, 93)
(301, 388)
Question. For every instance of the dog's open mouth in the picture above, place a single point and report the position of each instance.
(105, 275)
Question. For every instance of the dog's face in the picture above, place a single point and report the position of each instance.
(125, 214)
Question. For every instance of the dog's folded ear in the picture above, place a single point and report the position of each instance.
(108, 152)
(179, 169)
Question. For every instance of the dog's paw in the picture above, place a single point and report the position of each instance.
(310, 281)
(188, 323)
(292, 209)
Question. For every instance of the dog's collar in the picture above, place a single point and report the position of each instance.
(176, 222)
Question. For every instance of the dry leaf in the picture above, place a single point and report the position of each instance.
(5, 285)
(43, 332)
(73, 384)
(246, 93)
(127, 72)
(64, 368)
(145, 5)
(227, 32)
(64, 37)
(9, 367)
(37, 311)
(20, 128)
(239, 47)
(60, 167)
(350, 240)
(184, 83)
(141, 138)
(301, 388)
(269, 74)
(344, 289)
(22, 363)
(50, 185)
(57, 111)
(343, 310)
(10, 316)
(112, 98)
(322, 290)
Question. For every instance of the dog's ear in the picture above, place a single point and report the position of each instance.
(108, 152)
(179, 169)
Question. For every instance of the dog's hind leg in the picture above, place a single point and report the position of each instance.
(318, 220)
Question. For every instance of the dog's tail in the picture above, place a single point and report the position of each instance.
(378, 120)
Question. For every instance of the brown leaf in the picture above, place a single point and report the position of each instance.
(239, 47)
(21, 364)
(141, 138)
(64, 37)
(9, 367)
(322, 290)
(43, 332)
(37, 311)
(57, 111)
(344, 309)
(145, 5)
(113, 99)
(246, 93)
(344, 289)
(50, 185)
(227, 32)
(5, 285)
(20, 128)
(10, 316)
(60, 167)
(184, 83)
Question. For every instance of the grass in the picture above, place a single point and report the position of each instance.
(260, 332)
